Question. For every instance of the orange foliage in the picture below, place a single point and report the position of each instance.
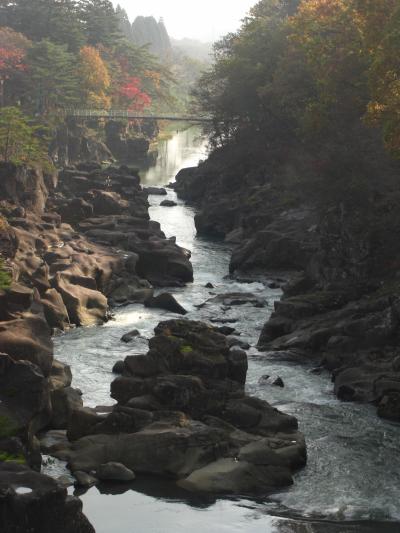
(95, 78)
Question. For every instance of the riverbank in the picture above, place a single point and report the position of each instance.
(87, 239)
(342, 438)
(339, 310)
(59, 235)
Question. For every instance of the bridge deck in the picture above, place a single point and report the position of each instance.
(121, 113)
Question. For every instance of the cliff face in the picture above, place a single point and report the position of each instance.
(340, 309)
(147, 31)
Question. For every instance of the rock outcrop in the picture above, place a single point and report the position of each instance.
(182, 411)
(72, 246)
(340, 306)
(36, 503)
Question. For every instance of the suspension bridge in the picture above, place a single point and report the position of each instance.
(131, 115)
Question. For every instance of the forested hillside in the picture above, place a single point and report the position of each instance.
(314, 80)
(304, 177)
(56, 55)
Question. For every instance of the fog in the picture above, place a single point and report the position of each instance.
(206, 20)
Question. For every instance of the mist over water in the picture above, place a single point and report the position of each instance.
(353, 473)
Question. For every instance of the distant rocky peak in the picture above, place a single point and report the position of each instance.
(147, 31)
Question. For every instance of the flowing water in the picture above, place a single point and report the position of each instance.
(352, 479)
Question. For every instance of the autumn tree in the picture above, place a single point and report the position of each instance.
(384, 75)
(132, 96)
(13, 47)
(129, 60)
(94, 77)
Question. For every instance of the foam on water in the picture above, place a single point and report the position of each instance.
(353, 470)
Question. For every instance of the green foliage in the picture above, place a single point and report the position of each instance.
(307, 80)
(53, 81)
(5, 278)
(12, 457)
(186, 349)
(100, 22)
(59, 21)
(20, 142)
(8, 428)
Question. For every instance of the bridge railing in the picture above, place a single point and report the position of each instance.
(124, 113)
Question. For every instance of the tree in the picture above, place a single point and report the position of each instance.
(13, 48)
(100, 22)
(132, 95)
(56, 20)
(130, 61)
(52, 77)
(20, 142)
(384, 75)
(95, 78)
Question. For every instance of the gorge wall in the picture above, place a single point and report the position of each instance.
(340, 304)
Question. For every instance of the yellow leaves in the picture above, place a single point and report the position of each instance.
(95, 77)
(154, 77)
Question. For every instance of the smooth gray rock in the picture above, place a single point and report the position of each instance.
(115, 472)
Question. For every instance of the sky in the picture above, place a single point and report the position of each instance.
(205, 20)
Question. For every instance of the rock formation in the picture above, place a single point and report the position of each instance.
(182, 412)
(340, 307)
(73, 244)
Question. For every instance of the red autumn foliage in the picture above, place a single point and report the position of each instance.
(11, 60)
(130, 91)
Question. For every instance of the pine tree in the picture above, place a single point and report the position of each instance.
(56, 20)
(20, 142)
(52, 76)
(101, 22)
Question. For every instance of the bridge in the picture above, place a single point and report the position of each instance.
(123, 113)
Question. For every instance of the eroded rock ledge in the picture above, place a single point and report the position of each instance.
(340, 309)
(182, 412)
(73, 244)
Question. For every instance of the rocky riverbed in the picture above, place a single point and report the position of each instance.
(333, 493)
(339, 308)
(181, 383)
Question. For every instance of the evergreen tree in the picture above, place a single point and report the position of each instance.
(101, 22)
(20, 142)
(56, 20)
(52, 76)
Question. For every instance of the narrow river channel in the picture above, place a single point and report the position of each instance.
(352, 480)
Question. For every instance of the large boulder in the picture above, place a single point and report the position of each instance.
(158, 449)
(115, 472)
(85, 306)
(64, 402)
(24, 398)
(230, 476)
(23, 186)
(166, 301)
(28, 338)
(54, 310)
(32, 502)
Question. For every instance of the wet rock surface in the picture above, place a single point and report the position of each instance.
(182, 411)
(78, 243)
(340, 306)
(30, 501)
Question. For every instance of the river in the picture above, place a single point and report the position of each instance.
(352, 479)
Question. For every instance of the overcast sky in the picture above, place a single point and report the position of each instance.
(206, 20)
